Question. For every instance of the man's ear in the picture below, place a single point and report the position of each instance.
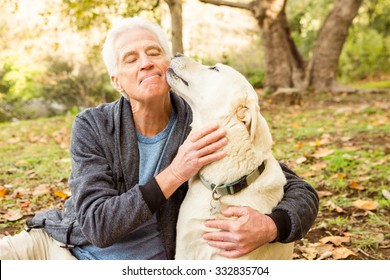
(116, 84)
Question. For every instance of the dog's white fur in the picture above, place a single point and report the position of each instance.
(220, 94)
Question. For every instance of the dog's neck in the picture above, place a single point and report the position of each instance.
(241, 159)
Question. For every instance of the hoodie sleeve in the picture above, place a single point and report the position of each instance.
(297, 211)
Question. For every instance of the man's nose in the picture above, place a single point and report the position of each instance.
(146, 61)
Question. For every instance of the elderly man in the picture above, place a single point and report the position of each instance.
(131, 160)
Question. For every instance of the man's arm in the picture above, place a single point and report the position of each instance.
(296, 213)
(290, 220)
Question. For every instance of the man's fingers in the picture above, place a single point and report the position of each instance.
(224, 225)
(196, 135)
(207, 150)
(222, 245)
(221, 236)
(230, 254)
(227, 249)
(207, 139)
(236, 211)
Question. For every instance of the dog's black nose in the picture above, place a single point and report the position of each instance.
(179, 55)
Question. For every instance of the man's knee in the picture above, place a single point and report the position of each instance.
(33, 245)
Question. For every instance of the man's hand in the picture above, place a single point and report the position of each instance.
(199, 149)
(238, 237)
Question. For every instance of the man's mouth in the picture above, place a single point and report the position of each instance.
(151, 76)
(172, 73)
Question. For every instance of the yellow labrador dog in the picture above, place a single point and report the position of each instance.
(248, 176)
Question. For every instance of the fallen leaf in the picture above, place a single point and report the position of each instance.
(324, 141)
(13, 215)
(11, 171)
(323, 153)
(333, 206)
(336, 240)
(355, 186)
(31, 174)
(322, 249)
(364, 178)
(339, 176)
(309, 253)
(61, 194)
(325, 255)
(41, 190)
(319, 166)
(25, 204)
(3, 191)
(20, 192)
(386, 194)
(43, 140)
(342, 253)
(365, 204)
(32, 138)
(346, 138)
(21, 162)
(307, 174)
(301, 160)
(13, 140)
(324, 193)
(294, 125)
(317, 143)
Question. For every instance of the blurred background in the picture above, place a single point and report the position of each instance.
(50, 61)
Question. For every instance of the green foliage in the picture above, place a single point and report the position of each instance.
(305, 19)
(341, 162)
(365, 53)
(256, 77)
(18, 80)
(86, 14)
(369, 85)
(28, 91)
(82, 87)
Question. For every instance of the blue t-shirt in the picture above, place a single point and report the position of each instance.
(144, 242)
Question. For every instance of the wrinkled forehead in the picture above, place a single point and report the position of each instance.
(134, 38)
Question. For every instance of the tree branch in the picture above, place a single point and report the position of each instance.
(246, 6)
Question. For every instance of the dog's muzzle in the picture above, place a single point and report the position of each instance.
(173, 75)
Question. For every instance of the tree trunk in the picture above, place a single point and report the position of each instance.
(329, 44)
(284, 66)
(175, 8)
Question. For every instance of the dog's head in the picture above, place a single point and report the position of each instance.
(220, 94)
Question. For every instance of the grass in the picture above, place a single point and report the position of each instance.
(339, 144)
(370, 85)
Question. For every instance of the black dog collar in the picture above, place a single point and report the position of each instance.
(236, 186)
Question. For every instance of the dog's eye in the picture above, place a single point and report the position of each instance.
(215, 68)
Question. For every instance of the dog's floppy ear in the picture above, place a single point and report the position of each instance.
(258, 129)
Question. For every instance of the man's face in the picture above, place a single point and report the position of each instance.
(142, 65)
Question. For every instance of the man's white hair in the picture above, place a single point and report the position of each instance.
(109, 52)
